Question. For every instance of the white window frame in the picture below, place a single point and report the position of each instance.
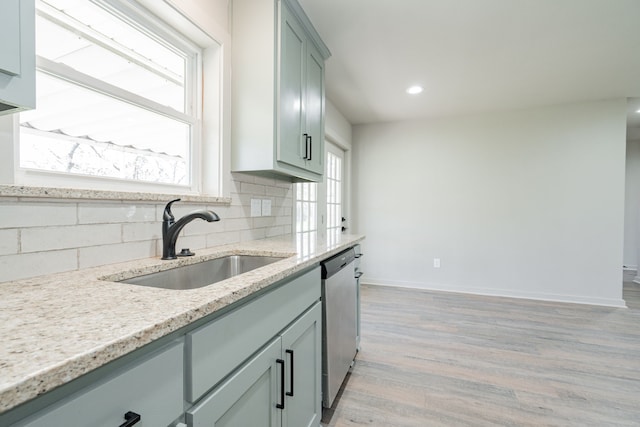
(210, 162)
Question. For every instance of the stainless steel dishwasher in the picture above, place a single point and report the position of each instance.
(338, 322)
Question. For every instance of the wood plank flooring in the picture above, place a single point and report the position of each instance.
(445, 359)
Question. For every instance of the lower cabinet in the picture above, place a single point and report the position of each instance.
(258, 364)
(150, 388)
(279, 386)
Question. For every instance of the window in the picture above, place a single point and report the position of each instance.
(306, 215)
(116, 96)
(334, 195)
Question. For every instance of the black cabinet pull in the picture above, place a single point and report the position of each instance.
(306, 145)
(359, 274)
(310, 147)
(281, 363)
(131, 419)
(290, 393)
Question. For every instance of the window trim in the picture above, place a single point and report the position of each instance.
(212, 164)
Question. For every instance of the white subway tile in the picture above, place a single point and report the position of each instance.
(265, 181)
(141, 231)
(253, 189)
(109, 254)
(264, 221)
(255, 234)
(8, 242)
(242, 177)
(284, 220)
(276, 191)
(237, 224)
(48, 238)
(115, 213)
(200, 227)
(23, 214)
(275, 231)
(218, 239)
(15, 267)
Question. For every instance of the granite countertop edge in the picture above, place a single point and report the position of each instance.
(34, 361)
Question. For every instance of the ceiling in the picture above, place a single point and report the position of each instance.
(475, 56)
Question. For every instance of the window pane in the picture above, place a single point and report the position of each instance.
(79, 131)
(91, 40)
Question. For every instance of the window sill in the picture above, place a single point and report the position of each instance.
(21, 191)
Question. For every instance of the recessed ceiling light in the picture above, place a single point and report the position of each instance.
(414, 90)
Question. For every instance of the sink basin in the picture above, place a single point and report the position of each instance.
(202, 274)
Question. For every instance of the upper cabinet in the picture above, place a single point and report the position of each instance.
(277, 90)
(17, 56)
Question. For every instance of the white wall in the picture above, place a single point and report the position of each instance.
(525, 203)
(337, 129)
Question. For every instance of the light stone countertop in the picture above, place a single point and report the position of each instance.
(55, 328)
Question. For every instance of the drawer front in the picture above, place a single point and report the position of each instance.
(152, 388)
(216, 349)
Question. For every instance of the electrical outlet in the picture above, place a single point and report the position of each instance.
(266, 207)
(436, 263)
(256, 207)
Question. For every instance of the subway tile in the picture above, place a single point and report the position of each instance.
(199, 226)
(276, 191)
(115, 213)
(274, 231)
(22, 266)
(141, 231)
(253, 189)
(225, 238)
(264, 221)
(284, 184)
(8, 242)
(48, 238)
(237, 224)
(242, 177)
(284, 220)
(265, 181)
(236, 212)
(109, 254)
(22, 214)
(178, 210)
(255, 234)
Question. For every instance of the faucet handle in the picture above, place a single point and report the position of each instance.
(168, 216)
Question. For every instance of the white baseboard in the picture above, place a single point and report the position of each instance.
(637, 280)
(574, 299)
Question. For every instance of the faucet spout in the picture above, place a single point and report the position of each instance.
(171, 228)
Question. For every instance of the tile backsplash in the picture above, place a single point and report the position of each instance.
(42, 236)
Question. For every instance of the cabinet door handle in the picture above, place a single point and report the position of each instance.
(290, 393)
(310, 147)
(306, 146)
(359, 274)
(281, 363)
(131, 418)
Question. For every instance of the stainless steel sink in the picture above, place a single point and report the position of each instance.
(202, 274)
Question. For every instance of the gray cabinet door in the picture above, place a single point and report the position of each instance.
(247, 398)
(291, 141)
(301, 348)
(314, 109)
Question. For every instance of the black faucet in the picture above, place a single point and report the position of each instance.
(171, 228)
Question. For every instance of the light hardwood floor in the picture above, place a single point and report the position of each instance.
(445, 359)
